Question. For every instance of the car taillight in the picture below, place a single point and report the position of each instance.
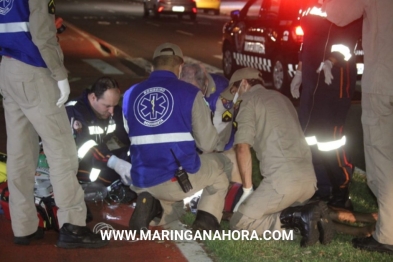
(298, 34)
(194, 10)
(160, 9)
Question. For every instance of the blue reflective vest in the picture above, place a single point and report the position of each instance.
(159, 117)
(221, 83)
(15, 37)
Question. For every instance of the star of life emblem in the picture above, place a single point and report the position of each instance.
(153, 106)
(5, 6)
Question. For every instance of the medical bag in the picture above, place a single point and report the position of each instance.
(46, 209)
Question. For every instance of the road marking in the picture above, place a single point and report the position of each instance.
(218, 56)
(89, 38)
(103, 67)
(103, 23)
(73, 79)
(142, 63)
(153, 24)
(184, 33)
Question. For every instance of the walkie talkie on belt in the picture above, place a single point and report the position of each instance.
(182, 176)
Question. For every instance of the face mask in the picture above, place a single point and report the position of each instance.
(236, 97)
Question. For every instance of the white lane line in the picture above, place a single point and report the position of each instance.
(218, 56)
(153, 24)
(89, 38)
(103, 67)
(184, 33)
(103, 23)
(142, 63)
(73, 79)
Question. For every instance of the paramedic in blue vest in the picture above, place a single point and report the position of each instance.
(327, 71)
(220, 97)
(34, 85)
(168, 120)
(97, 125)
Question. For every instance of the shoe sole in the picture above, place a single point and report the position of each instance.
(25, 241)
(325, 225)
(81, 245)
(140, 216)
(314, 232)
(370, 249)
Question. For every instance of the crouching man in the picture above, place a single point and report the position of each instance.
(267, 121)
(167, 121)
(97, 125)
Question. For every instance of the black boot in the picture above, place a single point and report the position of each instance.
(147, 208)
(72, 236)
(340, 199)
(39, 234)
(370, 244)
(305, 218)
(325, 225)
(205, 221)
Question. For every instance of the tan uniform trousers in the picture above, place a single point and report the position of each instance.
(377, 120)
(212, 177)
(30, 96)
(261, 210)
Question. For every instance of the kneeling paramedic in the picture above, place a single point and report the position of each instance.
(167, 121)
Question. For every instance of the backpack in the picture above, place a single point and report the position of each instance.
(46, 209)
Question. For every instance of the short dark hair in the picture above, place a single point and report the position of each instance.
(167, 60)
(101, 85)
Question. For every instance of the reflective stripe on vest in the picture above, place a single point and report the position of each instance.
(326, 146)
(85, 148)
(161, 138)
(15, 27)
(94, 173)
(342, 49)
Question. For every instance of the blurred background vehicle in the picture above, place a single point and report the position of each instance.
(179, 7)
(209, 5)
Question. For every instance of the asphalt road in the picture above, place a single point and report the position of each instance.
(113, 38)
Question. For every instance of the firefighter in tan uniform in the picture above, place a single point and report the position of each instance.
(33, 82)
(267, 121)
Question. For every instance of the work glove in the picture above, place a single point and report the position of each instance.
(327, 70)
(246, 193)
(122, 167)
(295, 84)
(64, 87)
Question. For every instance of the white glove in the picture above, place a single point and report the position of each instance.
(246, 193)
(64, 87)
(327, 70)
(122, 167)
(295, 84)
